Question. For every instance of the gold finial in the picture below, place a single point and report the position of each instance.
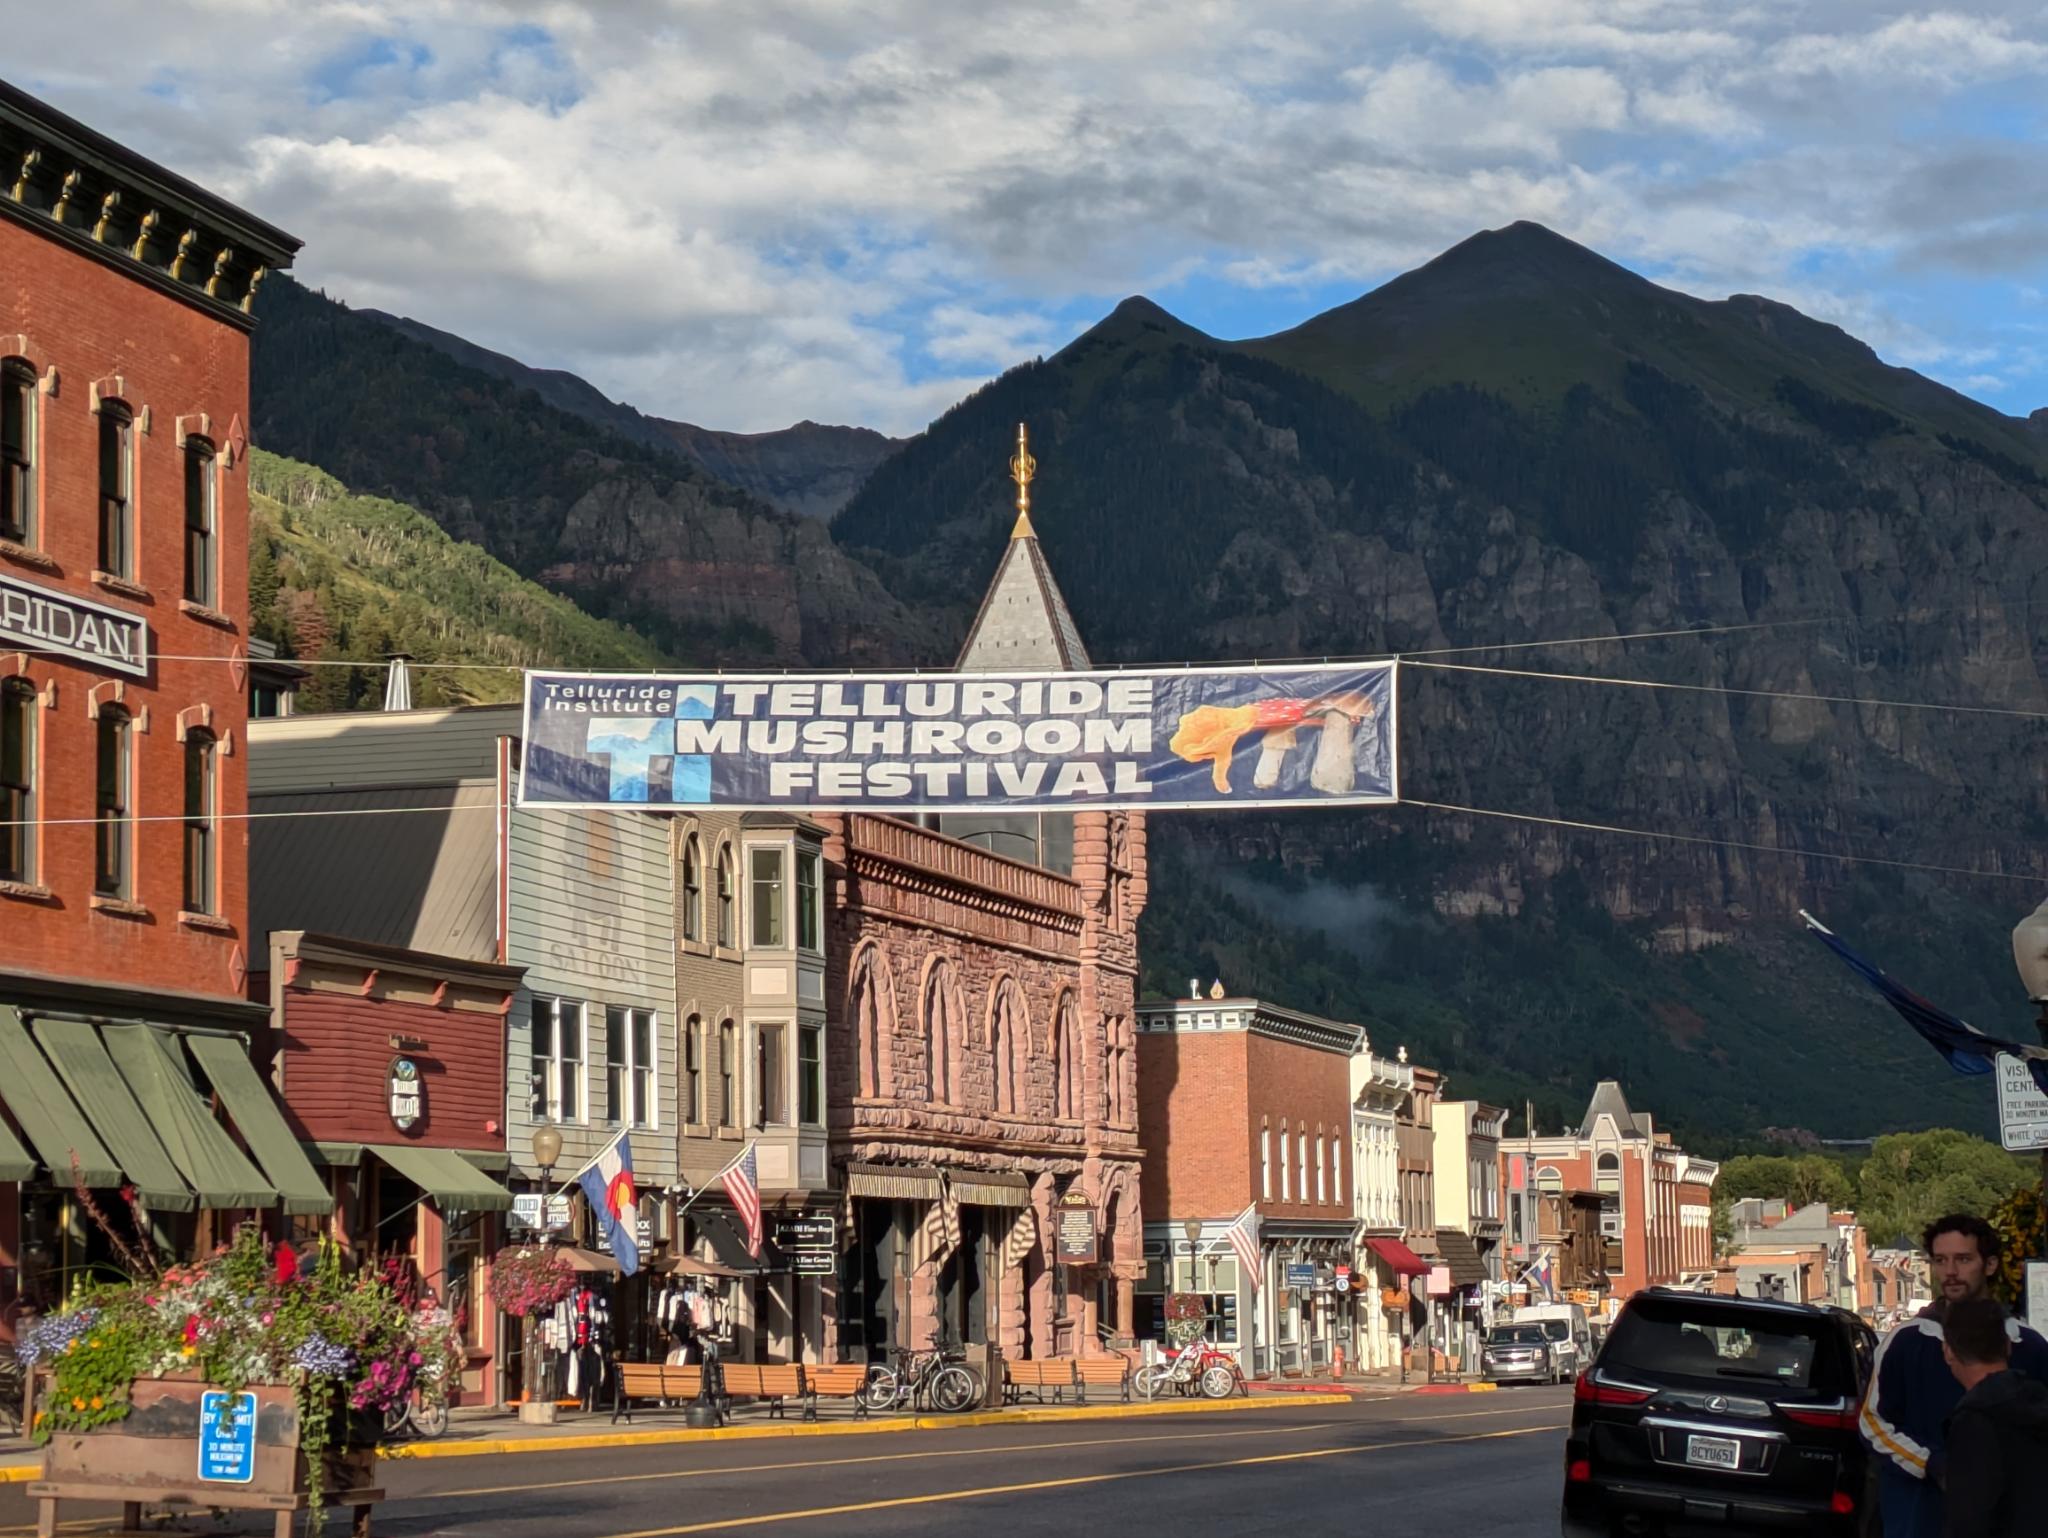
(1022, 468)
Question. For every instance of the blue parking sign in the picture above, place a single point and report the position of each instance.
(227, 1437)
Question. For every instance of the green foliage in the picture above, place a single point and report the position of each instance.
(1912, 1178)
(1844, 420)
(336, 577)
(1797, 1180)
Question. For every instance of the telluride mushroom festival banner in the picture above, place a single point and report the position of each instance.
(1168, 738)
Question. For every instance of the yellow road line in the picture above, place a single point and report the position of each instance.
(1076, 1481)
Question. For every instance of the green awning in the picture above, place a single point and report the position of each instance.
(108, 1102)
(341, 1156)
(452, 1181)
(200, 1146)
(49, 1118)
(261, 1124)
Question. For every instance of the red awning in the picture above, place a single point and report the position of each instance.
(1405, 1262)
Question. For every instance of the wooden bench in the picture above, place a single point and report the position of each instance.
(773, 1382)
(1038, 1374)
(1103, 1372)
(675, 1383)
(842, 1381)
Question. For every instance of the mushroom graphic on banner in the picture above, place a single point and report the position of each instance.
(1212, 733)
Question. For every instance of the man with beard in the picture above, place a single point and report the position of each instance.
(1913, 1393)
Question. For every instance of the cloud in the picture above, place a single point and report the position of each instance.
(858, 209)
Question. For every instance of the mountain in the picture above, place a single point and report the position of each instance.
(336, 577)
(632, 532)
(1522, 442)
(810, 469)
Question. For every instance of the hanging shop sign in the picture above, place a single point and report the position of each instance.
(1439, 1281)
(408, 1093)
(1186, 737)
(532, 1210)
(806, 1231)
(44, 620)
(813, 1262)
(1301, 1277)
(1074, 1228)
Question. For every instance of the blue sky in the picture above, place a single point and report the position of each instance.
(858, 210)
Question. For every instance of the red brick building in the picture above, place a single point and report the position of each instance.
(983, 1063)
(1655, 1200)
(1248, 1105)
(391, 1064)
(124, 400)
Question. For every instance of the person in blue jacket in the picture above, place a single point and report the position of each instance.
(1912, 1391)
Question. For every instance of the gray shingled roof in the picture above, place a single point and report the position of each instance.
(1023, 623)
(1608, 1100)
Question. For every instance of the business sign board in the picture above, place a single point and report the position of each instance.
(900, 742)
(43, 619)
(806, 1231)
(2022, 1108)
(408, 1093)
(1301, 1277)
(1074, 1237)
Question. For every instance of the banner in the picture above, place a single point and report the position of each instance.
(903, 742)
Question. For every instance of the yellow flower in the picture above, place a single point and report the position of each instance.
(77, 1403)
(184, 1351)
(98, 1403)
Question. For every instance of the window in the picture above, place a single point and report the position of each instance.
(1336, 1170)
(557, 1060)
(693, 1072)
(810, 1075)
(115, 833)
(199, 821)
(1266, 1162)
(693, 889)
(1548, 1179)
(17, 781)
(726, 931)
(1607, 1173)
(771, 1097)
(18, 451)
(728, 1065)
(1286, 1185)
(200, 587)
(942, 1029)
(629, 1065)
(1321, 1189)
(1301, 1164)
(117, 479)
(810, 909)
(764, 902)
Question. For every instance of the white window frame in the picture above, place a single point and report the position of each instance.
(783, 1066)
(1266, 1163)
(631, 1068)
(552, 1075)
(1286, 1185)
(811, 905)
(751, 934)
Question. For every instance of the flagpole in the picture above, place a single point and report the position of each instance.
(700, 1190)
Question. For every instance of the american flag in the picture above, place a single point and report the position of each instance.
(742, 1182)
(1244, 1238)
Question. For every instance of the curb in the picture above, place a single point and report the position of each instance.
(678, 1437)
(1456, 1388)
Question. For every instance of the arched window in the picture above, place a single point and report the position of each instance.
(1607, 1173)
(871, 1007)
(201, 791)
(1066, 1062)
(693, 1071)
(18, 451)
(1112, 1072)
(114, 829)
(1336, 1170)
(1009, 1030)
(1265, 1160)
(202, 583)
(1548, 1179)
(1322, 1188)
(693, 889)
(726, 928)
(944, 1029)
(17, 781)
(728, 1075)
(1286, 1184)
(117, 484)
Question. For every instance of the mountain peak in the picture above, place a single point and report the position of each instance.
(1522, 255)
(1138, 320)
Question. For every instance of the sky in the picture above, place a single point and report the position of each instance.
(744, 213)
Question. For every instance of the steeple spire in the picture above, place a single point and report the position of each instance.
(1022, 468)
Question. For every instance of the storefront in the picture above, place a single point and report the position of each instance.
(1388, 1270)
(390, 1064)
(135, 1134)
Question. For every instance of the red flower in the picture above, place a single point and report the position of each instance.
(287, 1263)
(191, 1329)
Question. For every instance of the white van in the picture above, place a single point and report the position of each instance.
(1571, 1342)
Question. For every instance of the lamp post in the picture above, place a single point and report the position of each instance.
(2030, 955)
(547, 1150)
(1193, 1229)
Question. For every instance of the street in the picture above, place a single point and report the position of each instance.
(1485, 1466)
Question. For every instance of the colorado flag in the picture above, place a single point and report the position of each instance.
(608, 1184)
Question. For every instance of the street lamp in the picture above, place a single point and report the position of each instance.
(2030, 955)
(547, 1151)
(1193, 1229)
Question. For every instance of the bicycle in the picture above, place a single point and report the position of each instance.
(1198, 1367)
(417, 1413)
(937, 1376)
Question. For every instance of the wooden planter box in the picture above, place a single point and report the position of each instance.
(152, 1456)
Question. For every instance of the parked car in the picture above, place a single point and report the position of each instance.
(1521, 1353)
(1735, 1413)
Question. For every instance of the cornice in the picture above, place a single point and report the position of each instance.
(867, 865)
(111, 205)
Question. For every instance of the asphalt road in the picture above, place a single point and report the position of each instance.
(1478, 1465)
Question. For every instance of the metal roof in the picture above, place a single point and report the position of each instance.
(1023, 622)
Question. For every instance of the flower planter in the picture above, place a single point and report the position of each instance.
(153, 1455)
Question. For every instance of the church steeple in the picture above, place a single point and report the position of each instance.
(1023, 623)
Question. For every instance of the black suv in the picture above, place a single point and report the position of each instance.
(1723, 1413)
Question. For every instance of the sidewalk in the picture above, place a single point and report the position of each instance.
(479, 1433)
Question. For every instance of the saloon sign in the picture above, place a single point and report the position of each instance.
(408, 1093)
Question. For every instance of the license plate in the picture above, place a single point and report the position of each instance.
(1714, 1452)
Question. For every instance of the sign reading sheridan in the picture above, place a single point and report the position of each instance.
(45, 620)
(1175, 738)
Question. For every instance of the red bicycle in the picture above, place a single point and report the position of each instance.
(1197, 1368)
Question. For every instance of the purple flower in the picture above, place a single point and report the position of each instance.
(323, 1358)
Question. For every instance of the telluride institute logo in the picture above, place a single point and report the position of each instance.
(1188, 737)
